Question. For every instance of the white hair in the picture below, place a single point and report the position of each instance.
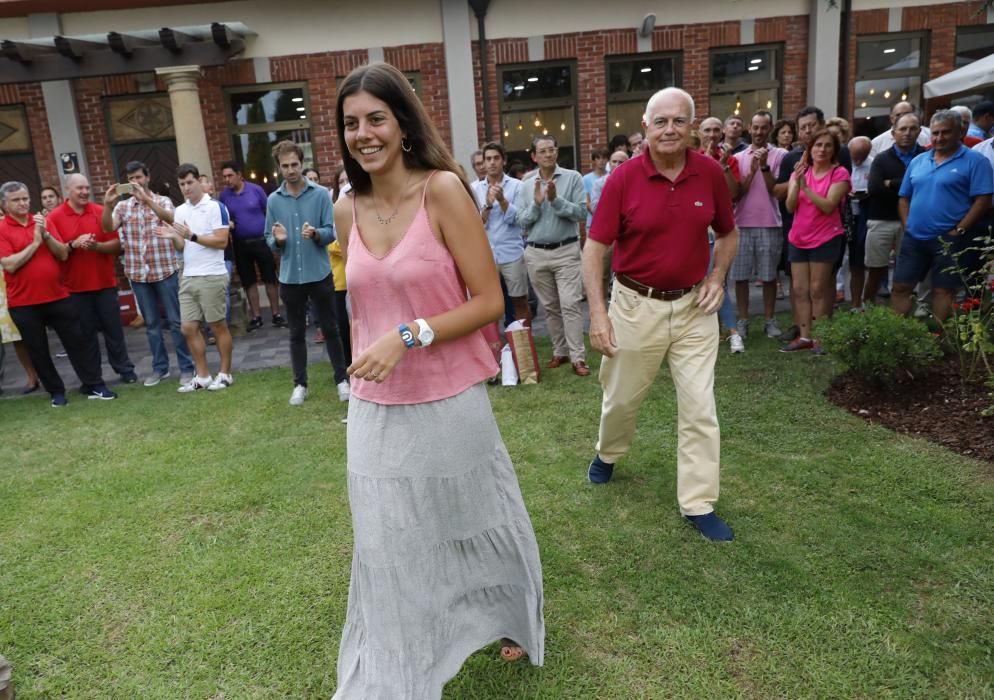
(964, 112)
(666, 92)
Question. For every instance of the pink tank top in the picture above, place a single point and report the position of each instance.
(417, 278)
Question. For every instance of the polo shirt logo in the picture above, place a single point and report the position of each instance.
(698, 204)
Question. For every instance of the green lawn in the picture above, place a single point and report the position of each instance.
(167, 546)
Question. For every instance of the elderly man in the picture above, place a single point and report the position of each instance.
(883, 141)
(38, 299)
(732, 131)
(551, 203)
(712, 143)
(883, 227)
(663, 304)
(89, 271)
(945, 193)
(859, 150)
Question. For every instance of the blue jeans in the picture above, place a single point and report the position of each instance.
(149, 296)
(726, 312)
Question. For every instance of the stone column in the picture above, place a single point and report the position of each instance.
(825, 24)
(459, 70)
(188, 121)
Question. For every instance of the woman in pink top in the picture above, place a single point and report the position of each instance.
(817, 189)
(445, 560)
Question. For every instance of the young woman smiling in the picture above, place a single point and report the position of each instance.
(817, 188)
(445, 559)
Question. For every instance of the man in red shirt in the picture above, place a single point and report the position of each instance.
(89, 273)
(656, 210)
(37, 298)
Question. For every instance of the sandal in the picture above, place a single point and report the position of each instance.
(510, 651)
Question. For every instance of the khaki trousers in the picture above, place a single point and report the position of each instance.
(647, 332)
(557, 278)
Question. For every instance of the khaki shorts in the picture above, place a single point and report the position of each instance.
(203, 298)
(881, 238)
(515, 276)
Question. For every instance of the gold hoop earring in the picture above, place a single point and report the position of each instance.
(406, 146)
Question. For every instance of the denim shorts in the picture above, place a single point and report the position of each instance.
(829, 252)
(917, 258)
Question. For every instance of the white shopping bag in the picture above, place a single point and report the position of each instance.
(508, 372)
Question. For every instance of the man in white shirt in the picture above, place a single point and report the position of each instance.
(882, 142)
(859, 149)
(200, 232)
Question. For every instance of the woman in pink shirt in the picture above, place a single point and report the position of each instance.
(445, 560)
(817, 189)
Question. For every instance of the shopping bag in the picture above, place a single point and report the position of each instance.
(522, 343)
(508, 372)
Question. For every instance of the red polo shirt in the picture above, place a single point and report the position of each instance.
(38, 280)
(85, 270)
(659, 228)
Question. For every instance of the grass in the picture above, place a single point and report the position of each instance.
(166, 546)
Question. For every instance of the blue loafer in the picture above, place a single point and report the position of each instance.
(599, 471)
(712, 527)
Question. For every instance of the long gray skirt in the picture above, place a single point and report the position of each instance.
(445, 560)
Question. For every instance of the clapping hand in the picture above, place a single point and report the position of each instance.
(308, 232)
(550, 191)
(539, 192)
(279, 233)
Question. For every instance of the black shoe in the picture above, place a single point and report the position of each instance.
(129, 378)
(59, 400)
(278, 321)
(711, 527)
(792, 333)
(101, 393)
(255, 324)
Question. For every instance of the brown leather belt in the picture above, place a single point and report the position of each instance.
(647, 291)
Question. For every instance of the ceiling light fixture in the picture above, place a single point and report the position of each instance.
(647, 69)
(756, 60)
(753, 67)
(297, 99)
(533, 79)
(889, 50)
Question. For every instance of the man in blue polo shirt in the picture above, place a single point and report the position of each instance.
(300, 225)
(246, 203)
(944, 196)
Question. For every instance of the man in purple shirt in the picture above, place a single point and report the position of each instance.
(246, 203)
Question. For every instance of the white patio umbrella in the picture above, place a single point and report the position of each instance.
(978, 74)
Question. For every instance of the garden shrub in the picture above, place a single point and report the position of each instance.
(880, 346)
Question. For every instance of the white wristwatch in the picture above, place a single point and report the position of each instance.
(425, 334)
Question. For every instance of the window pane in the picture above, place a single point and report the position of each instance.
(520, 127)
(539, 83)
(875, 98)
(640, 75)
(625, 117)
(743, 68)
(745, 103)
(903, 53)
(267, 106)
(256, 152)
(971, 45)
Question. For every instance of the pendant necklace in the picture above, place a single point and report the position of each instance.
(385, 221)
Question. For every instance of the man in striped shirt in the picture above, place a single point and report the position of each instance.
(150, 264)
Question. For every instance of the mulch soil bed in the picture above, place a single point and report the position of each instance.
(939, 408)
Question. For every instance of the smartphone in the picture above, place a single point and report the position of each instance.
(126, 188)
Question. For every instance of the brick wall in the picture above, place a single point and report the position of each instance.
(29, 94)
(590, 49)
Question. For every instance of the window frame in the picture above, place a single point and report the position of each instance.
(23, 109)
(920, 72)
(775, 84)
(638, 96)
(970, 29)
(236, 129)
(572, 102)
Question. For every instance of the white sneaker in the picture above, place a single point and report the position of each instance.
(221, 381)
(735, 340)
(195, 384)
(344, 390)
(298, 395)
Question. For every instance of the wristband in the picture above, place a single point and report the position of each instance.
(193, 238)
(765, 168)
(406, 334)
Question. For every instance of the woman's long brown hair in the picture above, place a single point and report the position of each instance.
(836, 147)
(386, 83)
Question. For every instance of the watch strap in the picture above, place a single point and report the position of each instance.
(193, 238)
(407, 335)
